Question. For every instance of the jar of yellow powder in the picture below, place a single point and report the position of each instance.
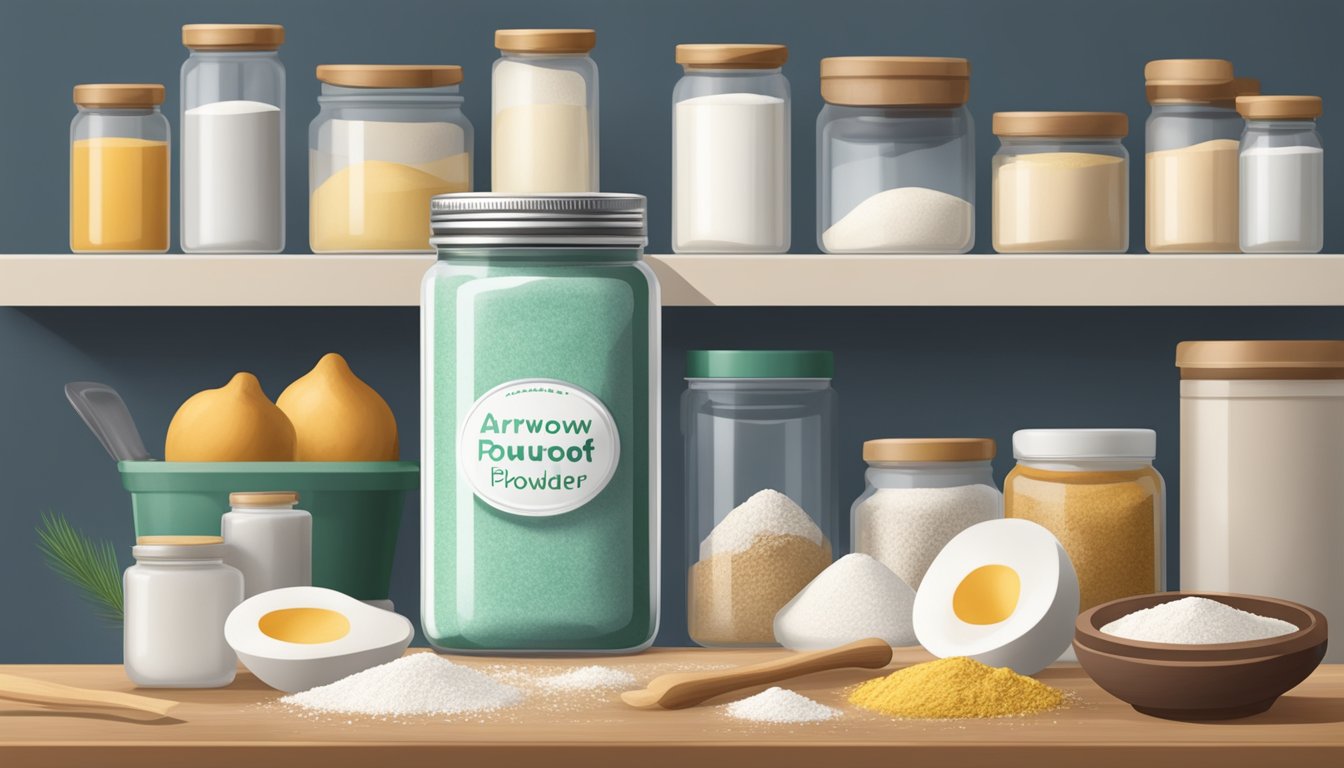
(1097, 491)
(387, 139)
(119, 169)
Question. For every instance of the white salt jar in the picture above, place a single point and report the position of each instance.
(268, 540)
(919, 494)
(730, 150)
(1282, 175)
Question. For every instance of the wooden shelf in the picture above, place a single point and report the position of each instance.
(698, 280)
(239, 726)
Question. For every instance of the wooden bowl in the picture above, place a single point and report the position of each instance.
(1200, 682)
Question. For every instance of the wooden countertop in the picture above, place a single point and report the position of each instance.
(239, 726)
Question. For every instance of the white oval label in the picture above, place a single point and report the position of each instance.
(538, 447)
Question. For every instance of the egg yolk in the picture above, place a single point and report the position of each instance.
(987, 595)
(304, 625)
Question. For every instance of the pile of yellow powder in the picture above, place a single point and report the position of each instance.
(956, 687)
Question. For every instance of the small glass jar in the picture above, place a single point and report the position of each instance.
(177, 597)
(1190, 157)
(918, 494)
(1096, 490)
(1061, 182)
(895, 156)
(760, 488)
(1282, 175)
(387, 139)
(544, 112)
(268, 540)
(119, 169)
(730, 150)
(233, 139)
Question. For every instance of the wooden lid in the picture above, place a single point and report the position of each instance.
(390, 75)
(119, 95)
(1067, 125)
(1240, 360)
(732, 55)
(545, 40)
(929, 449)
(1279, 107)
(881, 81)
(1189, 81)
(233, 37)
(263, 498)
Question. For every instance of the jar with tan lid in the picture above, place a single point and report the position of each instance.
(387, 139)
(1190, 156)
(895, 156)
(1061, 182)
(1262, 494)
(544, 112)
(1282, 175)
(268, 540)
(730, 150)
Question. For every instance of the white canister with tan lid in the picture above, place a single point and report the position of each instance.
(269, 540)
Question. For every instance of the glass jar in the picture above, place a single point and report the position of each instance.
(1190, 157)
(1061, 182)
(540, 402)
(730, 150)
(895, 156)
(544, 112)
(918, 494)
(1096, 490)
(233, 139)
(1282, 175)
(268, 540)
(760, 488)
(119, 169)
(387, 139)
(177, 597)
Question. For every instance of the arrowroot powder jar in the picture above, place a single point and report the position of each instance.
(540, 337)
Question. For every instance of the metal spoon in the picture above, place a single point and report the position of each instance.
(107, 417)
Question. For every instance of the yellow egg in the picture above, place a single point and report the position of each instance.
(337, 417)
(236, 422)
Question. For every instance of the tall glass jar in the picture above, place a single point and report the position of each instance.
(544, 112)
(540, 385)
(730, 150)
(233, 139)
(1191, 157)
(1061, 182)
(1282, 175)
(895, 156)
(918, 494)
(1096, 490)
(387, 139)
(119, 169)
(760, 486)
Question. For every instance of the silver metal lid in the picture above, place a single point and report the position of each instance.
(483, 219)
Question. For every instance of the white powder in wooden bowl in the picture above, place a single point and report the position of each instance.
(1196, 621)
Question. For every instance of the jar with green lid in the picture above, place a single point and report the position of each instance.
(540, 344)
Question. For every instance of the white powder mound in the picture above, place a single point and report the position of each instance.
(779, 705)
(521, 84)
(589, 678)
(906, 528)
(904, 219)
(1196, 621)
(236, 107)
(419, 684)
(766, 512)
(855, 598)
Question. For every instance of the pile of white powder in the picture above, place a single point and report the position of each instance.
(903, 220)
(855, 598)
(906, 528)
(419, 684)
(590, 678)
(779, 705)
(767, 512)
(1196, 621)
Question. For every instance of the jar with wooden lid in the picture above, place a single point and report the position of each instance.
(1282, 175)
(895, 156)
(1061, 182)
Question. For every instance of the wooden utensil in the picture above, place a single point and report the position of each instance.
(26, 689)
(686, 689)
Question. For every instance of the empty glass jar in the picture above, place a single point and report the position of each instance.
(1282, 175)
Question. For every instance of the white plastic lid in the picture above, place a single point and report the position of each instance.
(1063, 444)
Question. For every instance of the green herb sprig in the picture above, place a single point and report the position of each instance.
(89, 565)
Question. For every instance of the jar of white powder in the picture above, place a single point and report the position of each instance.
(895, 156)
(1282, 175)
(1191, 157)
(387, 139)
(730, 150)
(233, 131)
(918, 495)
(544, 112)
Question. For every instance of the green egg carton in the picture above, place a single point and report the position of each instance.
(356, 508)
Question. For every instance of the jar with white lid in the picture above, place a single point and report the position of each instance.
(1262, 494)
(1061, 182)
(387, 139)
(1190, 156)
(177, 597)
(1282, 175)
(268, 540)
(544, 112)
(730, 150)
(918, 494)
(233, 139)
(895, 156)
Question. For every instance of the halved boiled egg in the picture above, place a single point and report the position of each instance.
(1002, 592)
(298, 638)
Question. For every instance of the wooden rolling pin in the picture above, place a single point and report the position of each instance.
(686, 689)
(31, 691)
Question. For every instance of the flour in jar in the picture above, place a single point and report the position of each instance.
(904, 219)
(906, 528)
(233, 178)
(541, 130)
